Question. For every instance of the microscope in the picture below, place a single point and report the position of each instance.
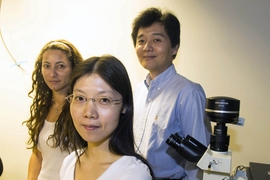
(215, 160)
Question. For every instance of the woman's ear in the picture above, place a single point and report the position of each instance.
(124, 110)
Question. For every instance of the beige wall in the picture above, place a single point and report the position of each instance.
(225, 46)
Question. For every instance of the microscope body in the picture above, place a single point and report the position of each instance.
(215, 160)
(216, 165)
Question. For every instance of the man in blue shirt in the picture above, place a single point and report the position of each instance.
(165, 102)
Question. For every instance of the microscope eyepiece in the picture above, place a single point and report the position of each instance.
(191, 149)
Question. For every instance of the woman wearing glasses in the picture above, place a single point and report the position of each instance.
(47, 124)
(101, 107)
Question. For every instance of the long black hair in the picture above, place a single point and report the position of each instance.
(113, 72)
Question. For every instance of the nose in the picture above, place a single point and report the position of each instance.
(90, 109)
(148, 46)
(53, 72)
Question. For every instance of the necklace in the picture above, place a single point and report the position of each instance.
(55, 108)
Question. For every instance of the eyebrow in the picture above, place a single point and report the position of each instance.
(57, 62)
(155, 34)
(99, 93)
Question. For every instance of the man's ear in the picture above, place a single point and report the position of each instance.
(175, 49)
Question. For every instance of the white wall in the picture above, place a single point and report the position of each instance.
(225, 46)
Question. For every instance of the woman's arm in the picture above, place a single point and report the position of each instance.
(34, 165)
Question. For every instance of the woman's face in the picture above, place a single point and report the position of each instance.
(56, 69)
(94, 120)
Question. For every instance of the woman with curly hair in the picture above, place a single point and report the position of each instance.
(49, 113)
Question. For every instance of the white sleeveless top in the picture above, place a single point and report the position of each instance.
(52, 157)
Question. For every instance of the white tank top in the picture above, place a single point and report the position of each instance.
(52, 157)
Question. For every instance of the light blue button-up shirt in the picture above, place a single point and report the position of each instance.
(166, 105)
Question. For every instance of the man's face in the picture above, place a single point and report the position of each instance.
(153, 48)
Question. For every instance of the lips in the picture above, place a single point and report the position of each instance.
(149, 57)
(54, 81)
(90, 127)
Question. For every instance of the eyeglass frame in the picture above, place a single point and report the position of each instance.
(94, 100)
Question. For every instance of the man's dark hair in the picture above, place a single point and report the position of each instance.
(152, 15)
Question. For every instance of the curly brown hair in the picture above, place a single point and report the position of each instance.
(42, 98)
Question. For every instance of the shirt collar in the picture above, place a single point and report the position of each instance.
(161, 79)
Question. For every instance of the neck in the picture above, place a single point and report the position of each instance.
(57, 103)
(98, 148)
(100, 155)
